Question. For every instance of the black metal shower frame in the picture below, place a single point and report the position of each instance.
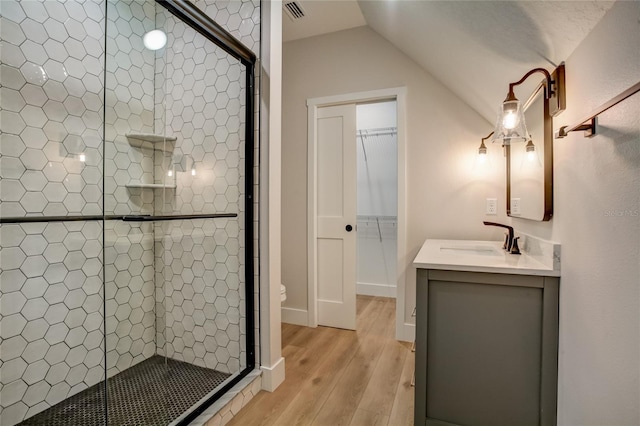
(203, 24)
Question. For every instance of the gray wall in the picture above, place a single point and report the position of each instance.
(445, 193)
(596, 194)
(597, 221)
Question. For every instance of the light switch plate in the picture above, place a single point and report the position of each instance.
(492, 206)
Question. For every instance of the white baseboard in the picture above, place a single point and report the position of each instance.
(272, 376)
(295, 316)
(406, 332)
(382, 290)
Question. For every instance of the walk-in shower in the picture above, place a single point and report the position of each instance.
(126, 226)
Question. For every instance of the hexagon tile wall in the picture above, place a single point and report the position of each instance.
(170, 288)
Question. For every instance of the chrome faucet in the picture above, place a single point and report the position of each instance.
(510, 243)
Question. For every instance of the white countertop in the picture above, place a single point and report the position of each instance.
(480, 256)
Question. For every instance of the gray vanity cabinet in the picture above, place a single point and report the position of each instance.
(486, 349)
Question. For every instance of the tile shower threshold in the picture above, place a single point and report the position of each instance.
(154, 392)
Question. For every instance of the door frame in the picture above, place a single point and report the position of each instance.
(403, 331)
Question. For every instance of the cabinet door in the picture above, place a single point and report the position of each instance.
(483, 353)
(486, 349)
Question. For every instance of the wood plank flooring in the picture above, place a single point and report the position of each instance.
(341, 377)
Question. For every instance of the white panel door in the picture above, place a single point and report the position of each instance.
(336, 204)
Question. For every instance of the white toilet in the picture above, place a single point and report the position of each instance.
(283, 293)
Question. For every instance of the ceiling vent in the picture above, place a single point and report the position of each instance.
(294, 10)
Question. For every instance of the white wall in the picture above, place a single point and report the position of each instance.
(376, 115)
(597, 195)
(377, 160)
(377, 189)
(271, 360)
(445, 193)
(597, 221)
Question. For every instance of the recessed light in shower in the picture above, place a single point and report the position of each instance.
(154, 40)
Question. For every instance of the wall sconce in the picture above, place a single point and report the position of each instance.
(482, 150)
(510, 125)
(530, 149)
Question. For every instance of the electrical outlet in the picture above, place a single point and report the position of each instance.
(515, 206)
(492, 206)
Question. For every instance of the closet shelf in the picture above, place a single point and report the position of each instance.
(150, 185)
(138, 139)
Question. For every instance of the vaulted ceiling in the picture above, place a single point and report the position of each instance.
(475, 48)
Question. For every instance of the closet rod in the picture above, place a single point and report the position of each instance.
(380, 133)
(588, 125)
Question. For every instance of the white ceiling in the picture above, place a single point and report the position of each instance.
(475, 48)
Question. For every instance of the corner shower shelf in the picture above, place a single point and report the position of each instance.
(138, 139)
(151, 185)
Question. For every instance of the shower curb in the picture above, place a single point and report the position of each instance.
(229, 405)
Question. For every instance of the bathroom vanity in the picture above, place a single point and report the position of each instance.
(486, 333)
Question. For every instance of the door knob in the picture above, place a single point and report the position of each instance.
(349, 228)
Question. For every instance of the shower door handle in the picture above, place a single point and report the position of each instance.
(349, 228)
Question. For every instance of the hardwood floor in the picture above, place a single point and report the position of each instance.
(341, 377)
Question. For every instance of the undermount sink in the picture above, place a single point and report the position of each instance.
(490, 257)
(477, 250)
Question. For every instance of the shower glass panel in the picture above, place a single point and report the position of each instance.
(123, 213)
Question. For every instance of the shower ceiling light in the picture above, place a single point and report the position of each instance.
(154, 40)
(510, 125)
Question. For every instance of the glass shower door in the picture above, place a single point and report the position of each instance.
(124, 204)
(175, 187)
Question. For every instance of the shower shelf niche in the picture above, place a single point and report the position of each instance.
(151, 185)
(157, 141)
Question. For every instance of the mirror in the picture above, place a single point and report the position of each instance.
(530, 165)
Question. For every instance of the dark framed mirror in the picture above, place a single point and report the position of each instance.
(530, 164)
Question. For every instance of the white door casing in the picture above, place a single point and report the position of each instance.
(336, 207)
(405, 330)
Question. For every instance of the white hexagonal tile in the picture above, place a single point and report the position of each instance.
(76, 337)
(76, 375)
(13, 302)
(56, 313)
(35, 330)
(34, 266)
(13, 392)
(35, 372)
(57, 393)
(57, 353)
(35, 308)
(56, 333)
(12, 325)
(12, 370)
(35, 351)
(57, 373)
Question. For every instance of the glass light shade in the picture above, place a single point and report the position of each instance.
(510, 125)
(530, 149)
(482, 153)
(154, 40)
